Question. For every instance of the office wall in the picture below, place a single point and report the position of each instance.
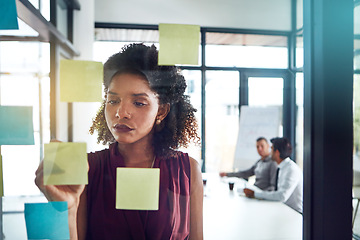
(248, 14)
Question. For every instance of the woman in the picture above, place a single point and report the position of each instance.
(145, 116)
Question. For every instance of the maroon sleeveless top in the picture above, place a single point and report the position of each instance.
(171, 221)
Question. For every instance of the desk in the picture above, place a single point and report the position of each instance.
(228, 215)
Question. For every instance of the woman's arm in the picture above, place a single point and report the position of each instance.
(82, 216)
(67, 193)
(196, 201)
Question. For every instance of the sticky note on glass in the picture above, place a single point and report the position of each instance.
(16, 125)
(137, 188)
(179, 44)
(80, 81)
(47, 220)
(8, 13)
(65, 163)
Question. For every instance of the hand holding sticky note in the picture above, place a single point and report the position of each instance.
(47, 220)
(137, 188)
(65, 163)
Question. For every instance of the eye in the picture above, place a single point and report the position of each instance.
(112, 102)
(139, 104)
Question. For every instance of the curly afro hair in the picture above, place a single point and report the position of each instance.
(180, 126)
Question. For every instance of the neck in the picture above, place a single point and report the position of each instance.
(263, 157)
(137, 155)
(279, 160)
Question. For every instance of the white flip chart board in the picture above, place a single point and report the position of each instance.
(255, 122)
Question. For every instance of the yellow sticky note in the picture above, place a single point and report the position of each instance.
(137, 188)
(179, 44)
(65, 163)
(80, 81)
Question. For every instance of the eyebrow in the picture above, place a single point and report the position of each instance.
(134, 94)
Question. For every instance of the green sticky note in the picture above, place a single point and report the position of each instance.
(8, 15)
(137, 188)
(65, 163)
(80, 81)
(16, 125)
(179, 44)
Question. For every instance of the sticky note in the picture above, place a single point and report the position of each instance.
(8, 19)
(47, 220)
(179, 44)
(16, 125)
(80, 81)
(65, 163)
(137, 188)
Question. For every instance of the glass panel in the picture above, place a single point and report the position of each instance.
(45, 9)
(21, 91)
(357, 38)
(299, 14)
(246, 50)
(299, 61)
(26, 59)
(126, 36)
(299, 141)
(24, 81)
(103, 50)
(193, 90)
(61, 21)
(266, 92)
(356, 156)
(222, 119)
(356, 116)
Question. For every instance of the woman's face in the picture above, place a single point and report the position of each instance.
(132, 108)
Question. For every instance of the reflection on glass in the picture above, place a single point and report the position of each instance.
(222, 119)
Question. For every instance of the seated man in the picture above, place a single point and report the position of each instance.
(264, 169)
(289, 187)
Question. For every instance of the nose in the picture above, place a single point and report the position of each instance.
(122, 112)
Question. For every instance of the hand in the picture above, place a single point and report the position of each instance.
(69, 193)
(249, 193)
(222, 174)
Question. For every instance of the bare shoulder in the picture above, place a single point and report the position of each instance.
(196, 177)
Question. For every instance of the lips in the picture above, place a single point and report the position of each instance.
(122, 128)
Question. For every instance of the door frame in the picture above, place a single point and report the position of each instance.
(289, 98)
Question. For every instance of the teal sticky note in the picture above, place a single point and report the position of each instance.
(16, 125)
(47, 220)
(8, 19)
